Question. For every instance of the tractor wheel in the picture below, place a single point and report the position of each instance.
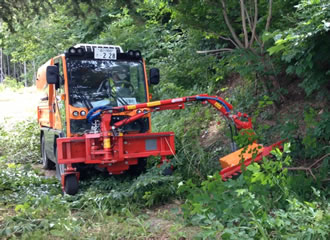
(71, 184)
(46, 162)
(60, 169)
(136, 170)
(168, 171)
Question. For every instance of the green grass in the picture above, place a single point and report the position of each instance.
(32, 205)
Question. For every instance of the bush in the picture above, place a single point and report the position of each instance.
(258, 204)
(20, 143)
(304, 47)
(11, 83)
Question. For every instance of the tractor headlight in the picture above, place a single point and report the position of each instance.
(137, 54)
(72, 50)
(131, 53)
(80, 51)
(75, 113)
(83, 113)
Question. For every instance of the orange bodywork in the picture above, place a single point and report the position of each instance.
(46, 107)
(233, 159)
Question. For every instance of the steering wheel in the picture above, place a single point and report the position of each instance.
(126, 84)
(103, 86)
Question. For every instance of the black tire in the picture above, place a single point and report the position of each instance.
(71, 184)
(168, 171)
(46, 162)
(60, 168)
(139, 168)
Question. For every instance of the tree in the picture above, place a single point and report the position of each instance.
(238, 26)
(305, 46)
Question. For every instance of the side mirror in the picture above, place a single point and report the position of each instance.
(154, 76)
(52, 75)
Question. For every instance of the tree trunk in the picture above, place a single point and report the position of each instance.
(20, 73)
(34, 72)
(8, 65)
(271, 80)
(14, 69)
(1, 67)
(25, 77)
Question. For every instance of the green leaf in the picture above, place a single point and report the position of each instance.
(287, 147)
(275, 49)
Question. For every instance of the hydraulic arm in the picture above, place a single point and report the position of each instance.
(171, 104)
(109, 147)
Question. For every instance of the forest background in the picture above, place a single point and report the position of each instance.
(268, 58)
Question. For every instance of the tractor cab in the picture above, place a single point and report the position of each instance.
(104, 76)
(88, 76)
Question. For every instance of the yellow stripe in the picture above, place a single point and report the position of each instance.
(218, 105)
(153, 104)
(131, 107)
(106, 143)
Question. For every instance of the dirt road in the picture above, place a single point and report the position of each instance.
(18, 105)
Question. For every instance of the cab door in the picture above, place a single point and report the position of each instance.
(57, 113)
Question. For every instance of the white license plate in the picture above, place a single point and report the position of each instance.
(105, 53)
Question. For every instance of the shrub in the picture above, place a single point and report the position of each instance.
(20, 143)
(258, 204)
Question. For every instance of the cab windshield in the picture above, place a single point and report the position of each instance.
(94, 83)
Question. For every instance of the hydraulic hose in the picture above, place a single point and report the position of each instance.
(201, 98)
(91, 116)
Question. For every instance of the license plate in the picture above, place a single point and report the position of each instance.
(105, 53)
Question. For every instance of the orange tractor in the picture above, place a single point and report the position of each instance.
(96, 112)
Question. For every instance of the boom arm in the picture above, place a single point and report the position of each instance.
(109, 148)
(171, 104)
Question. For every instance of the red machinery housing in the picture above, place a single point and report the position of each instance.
(115, 151)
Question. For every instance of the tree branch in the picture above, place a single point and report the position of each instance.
(255, 21)
(215, 50)
(248, 18)
(269, 15)
(309, 169)
(224, 12)
(321, 159)
(253, 26)
(246, 37)
(229, 39)
(268, 20)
